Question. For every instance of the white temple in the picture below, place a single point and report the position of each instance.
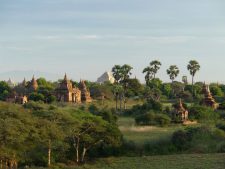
(106, 77)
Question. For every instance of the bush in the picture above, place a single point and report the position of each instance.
(222, 106)
(221, 126)
(203, 139)
(150, 105)
(180, 139)
(105, 113)
(34, 105)
(203, 114)
(37, 97)
(152, 118)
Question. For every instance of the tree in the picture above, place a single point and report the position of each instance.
(122, 76)
(193, 67)
(116, 71)
(36, 97)
(149, 74)
(173, 72)
(118, 90)
(125, 76)
(88, 131)
(50, 128)
(155, 65)
(151, 70)
(4, 90)
(135, 88)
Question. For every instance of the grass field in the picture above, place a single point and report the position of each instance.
(141, 134)
(190, 161)
(196, 161)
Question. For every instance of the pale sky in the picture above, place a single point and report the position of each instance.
(87, 37)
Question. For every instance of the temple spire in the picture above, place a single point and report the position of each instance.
(65, 77)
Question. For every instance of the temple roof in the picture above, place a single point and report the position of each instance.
(180, 106)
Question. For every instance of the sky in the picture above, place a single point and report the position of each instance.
(85, 38)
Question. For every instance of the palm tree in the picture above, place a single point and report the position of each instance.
(116, 71)
(117, 91)
(125, 76)
(151, 70)
(149, 74)
(155, 65)
(193, 67)
(173, 72)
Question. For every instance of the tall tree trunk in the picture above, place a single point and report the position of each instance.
(77, 150)
(1, 164)
(49, 152)
(83, 154)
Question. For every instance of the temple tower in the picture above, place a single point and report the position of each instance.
(208, 100)
(85, 94)
(180, 114)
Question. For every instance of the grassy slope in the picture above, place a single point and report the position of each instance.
(196, 161)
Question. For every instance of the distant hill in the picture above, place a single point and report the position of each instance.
(18, 76)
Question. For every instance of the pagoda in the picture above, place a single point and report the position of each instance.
(85, 94)
(33, 85)
(180, 114)
(65, 92)
(208, 100)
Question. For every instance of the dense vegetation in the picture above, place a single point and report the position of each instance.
(37, 134)
(126, 119)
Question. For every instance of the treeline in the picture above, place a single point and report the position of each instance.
(39, 135)
(126, 87)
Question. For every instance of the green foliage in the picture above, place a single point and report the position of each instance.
(105, 113)
(221, 125)
(173, 72)
(222, 106)
(151, 118)
(99, 90)
(166, 89)
(151, 70)
(150, 105)
(216, 90)
(28, 133)
(203, 139)
(4, 90)
(193, 67)
(203, 114)
(135, 88)
(36, 97)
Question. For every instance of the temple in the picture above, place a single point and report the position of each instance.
(180, 114)
(85, 94)
(208, 100)
(67, 93)
(33, 85)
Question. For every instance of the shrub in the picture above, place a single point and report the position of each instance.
(152, 118)
(33, 105)
(36, 97)
(203, 139)
(222, 106)
(221, 126)
(150, 105)
(202, 113)
(180, 139)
